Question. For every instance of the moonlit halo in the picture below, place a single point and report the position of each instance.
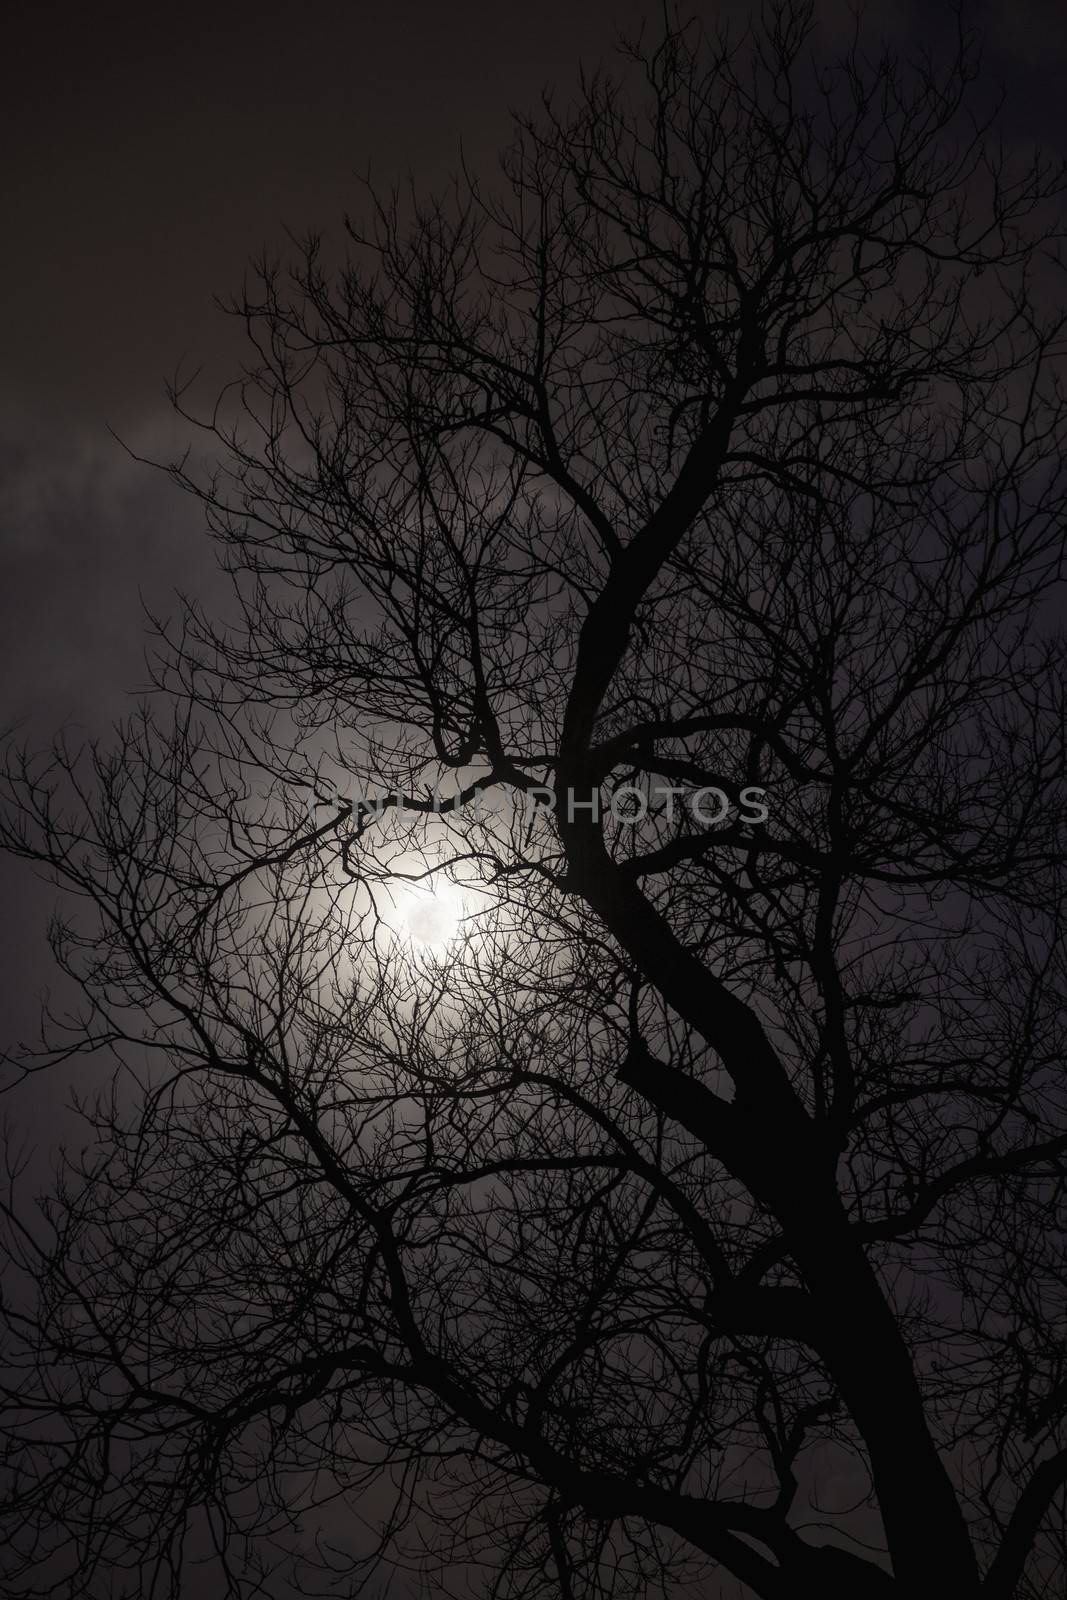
(431, 916)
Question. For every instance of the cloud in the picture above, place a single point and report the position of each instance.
(87, 531)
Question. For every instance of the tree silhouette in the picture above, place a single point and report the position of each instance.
(656, 546)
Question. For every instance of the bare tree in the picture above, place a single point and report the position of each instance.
(683, 510)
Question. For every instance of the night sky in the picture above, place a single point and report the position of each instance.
(149, 154)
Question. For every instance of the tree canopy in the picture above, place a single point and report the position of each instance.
(655, 545)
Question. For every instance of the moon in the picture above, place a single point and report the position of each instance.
(432, 917)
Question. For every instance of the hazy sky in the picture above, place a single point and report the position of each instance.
(148, 153)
